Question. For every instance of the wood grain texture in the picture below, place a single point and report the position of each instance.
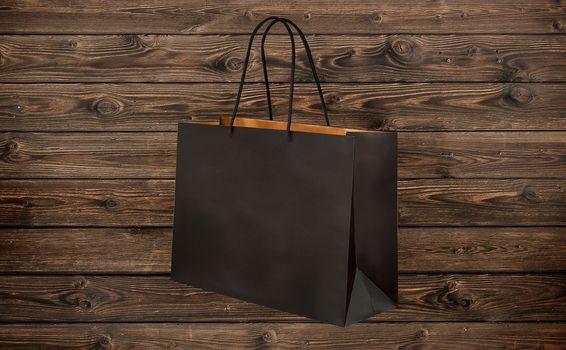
(482, 202)
(431, 202)
(345, 58)
(84, 203)
(158, 299)
(403, 107)
(148, 250)
(91, 94)
(238, 16)
(152, 155)
(132, 250)
(482, 249)
(436, 336)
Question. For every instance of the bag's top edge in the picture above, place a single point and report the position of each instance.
(277, 125)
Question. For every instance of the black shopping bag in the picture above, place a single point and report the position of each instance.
(300, 218)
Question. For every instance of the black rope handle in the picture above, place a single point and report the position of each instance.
(311, 62)
(246, 62)
(286, 23)
(293, 67)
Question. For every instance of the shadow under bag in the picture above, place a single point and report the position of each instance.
(296, 217)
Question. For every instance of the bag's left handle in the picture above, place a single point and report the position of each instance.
(311, 62)
(246, 62)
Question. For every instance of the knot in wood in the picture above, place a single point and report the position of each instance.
(73, 44)
(307, 16)
(529, 195)
(11, 147)
(558, 25)
(109, 203)
(107, 107)
(520, 95)
(335, 98)
(104, 341)
(376, 18)
(270, 336)
(233, 64)
(249, 14)
(80, 283)
(465, 302)
(381, 124)
(472, 50)
(402, 47)
(84, 304)
(462, 250)
(422, 333)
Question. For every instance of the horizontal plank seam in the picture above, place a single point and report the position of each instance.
(307, 34)
(172, 178)
(159, 274)
(279, 322)
(236, 84)
(376, 82)
(400, 226)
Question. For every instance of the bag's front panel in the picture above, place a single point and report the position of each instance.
(265, 217)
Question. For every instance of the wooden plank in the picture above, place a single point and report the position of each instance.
(87, 250)
(482, 155)
(90, 155)
(421, 250)
(159, 107)
(482, 202)
(431, 202)
(437, 336)
(477, 249)
(82, 203)
(345, 58)
(238, 16)
(158, 299)
(152, 155)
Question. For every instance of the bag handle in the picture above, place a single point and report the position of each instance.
(311, 62)
(293, 67)
(246, 63)
(286, 23)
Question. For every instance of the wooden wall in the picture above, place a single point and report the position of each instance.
(90, 96)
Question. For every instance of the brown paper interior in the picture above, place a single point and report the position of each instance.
(276, 125)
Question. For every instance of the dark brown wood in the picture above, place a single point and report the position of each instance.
(132, 250)
(91, 94)
(148, 250)
(285, 336)
(158, 299)
(239, 16)
(159, 107)
(83, 203)
(88, 155)
(481, 155)
(436, 336)
(482, 249)
(152, 155)
(346, 58)
(482, 202)
(434, 202)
